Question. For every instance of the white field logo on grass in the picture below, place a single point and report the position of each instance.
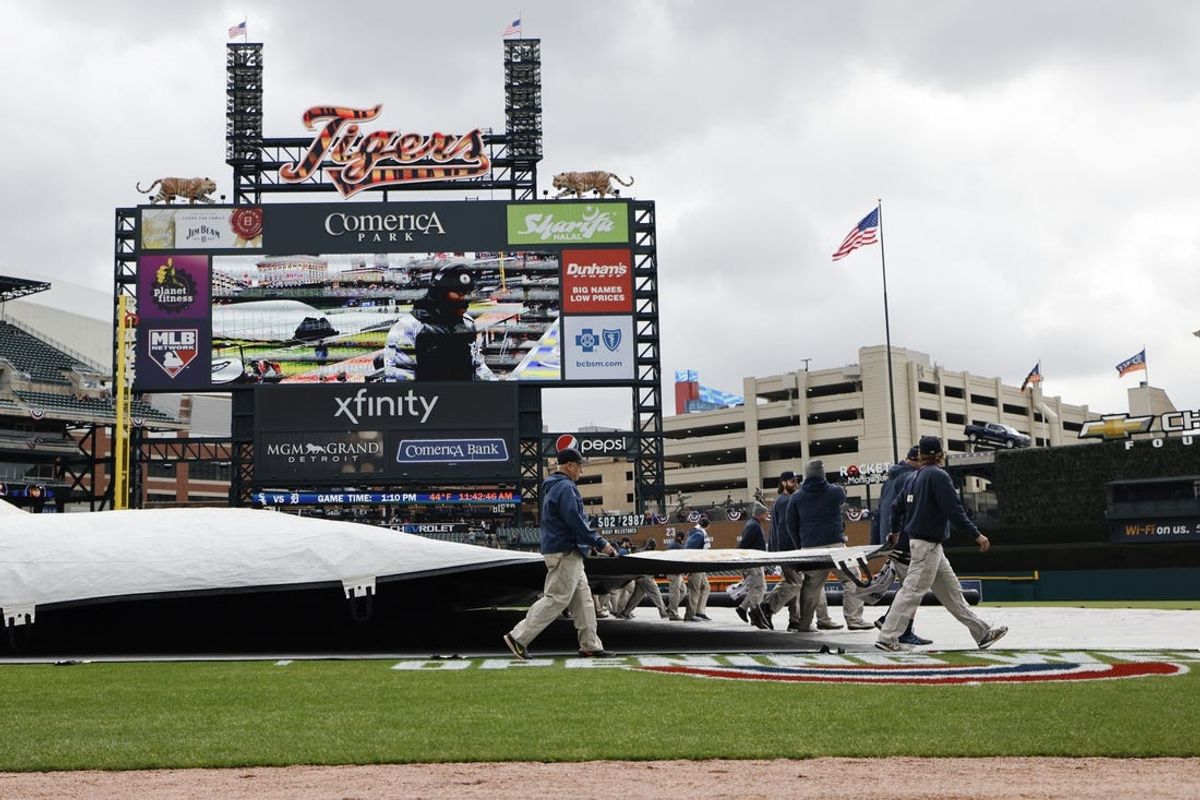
(867, 668)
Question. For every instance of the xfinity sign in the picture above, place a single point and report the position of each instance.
(360, 406)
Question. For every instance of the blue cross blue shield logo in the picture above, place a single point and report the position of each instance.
(586, 341)
(612, 338)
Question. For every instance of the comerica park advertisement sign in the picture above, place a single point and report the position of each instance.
(308, 293)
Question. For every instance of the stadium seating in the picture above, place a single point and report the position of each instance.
(87, 408)
(39, 360)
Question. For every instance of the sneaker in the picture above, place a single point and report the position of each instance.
(912, 639)
(829, 625)
(664, 615)
(517, 648)
(765, 609)
(890, 647)
(758, 620)
(741, 612)
(859, 626)
(992, 636)
(796, 627)
(596, 654)
(704, 617)
(671, 615)
(625, 615)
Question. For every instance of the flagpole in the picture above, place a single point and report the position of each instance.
(1146, 365)
(887, 328)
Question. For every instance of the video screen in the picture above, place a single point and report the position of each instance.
(387, 317)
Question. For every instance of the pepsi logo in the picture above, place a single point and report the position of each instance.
(565, 441)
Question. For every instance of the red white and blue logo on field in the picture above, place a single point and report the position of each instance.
(928, 674)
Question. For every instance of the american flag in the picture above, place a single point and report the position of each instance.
(238, 30)
(1034, 376)
(514, 29)
(1132, 364)
(865, 232)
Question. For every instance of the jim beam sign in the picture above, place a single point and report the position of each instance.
(366, 159)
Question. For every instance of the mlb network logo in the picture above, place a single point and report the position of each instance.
(172, 349)
(587, 340)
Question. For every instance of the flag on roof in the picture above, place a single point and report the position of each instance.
(864, 233)
(1034, 376)
(1132, 364)
(514, 29)
(238, 30)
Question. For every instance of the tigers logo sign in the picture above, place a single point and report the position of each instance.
(365, 159)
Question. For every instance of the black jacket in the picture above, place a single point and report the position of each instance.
(752, 536)
(928, 505)
(779, 539)
(816, 513)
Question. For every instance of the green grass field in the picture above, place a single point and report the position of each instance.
(150, 715)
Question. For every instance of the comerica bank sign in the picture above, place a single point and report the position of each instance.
(386, 433)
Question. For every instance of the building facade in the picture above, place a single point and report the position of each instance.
(842, 416)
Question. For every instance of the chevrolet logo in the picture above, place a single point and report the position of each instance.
(1115, 426)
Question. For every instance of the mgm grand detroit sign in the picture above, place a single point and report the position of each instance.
(1184, 425)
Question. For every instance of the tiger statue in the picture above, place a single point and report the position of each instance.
(194, 189)
(580, 183)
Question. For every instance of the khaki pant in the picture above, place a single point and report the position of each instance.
(929, 570)
(755, 582)
(566, 587)
(785, 591)
(812, 599)
(789, 593)
(643, 586)
(675, 594)
(697, 594)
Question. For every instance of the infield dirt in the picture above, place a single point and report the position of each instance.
(846, 779)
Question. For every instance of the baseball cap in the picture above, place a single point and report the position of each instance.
(913, 452)
(569, 455)
(456, 278)
(787, 475)
(930, 445)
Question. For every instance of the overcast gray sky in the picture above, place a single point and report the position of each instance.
(1037, 161)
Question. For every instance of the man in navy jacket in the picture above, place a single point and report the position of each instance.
(898, 477)
(927, 507)
(566, 540)
(815, 511)
(753, 579)
(787, 591)
(697, 582)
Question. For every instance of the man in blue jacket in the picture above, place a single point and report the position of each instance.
(898, 477)
(697, 582)
(753, 579)
(566, 539)
(815, 511)
(675, 590)
(928, 505)
(787, 591)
